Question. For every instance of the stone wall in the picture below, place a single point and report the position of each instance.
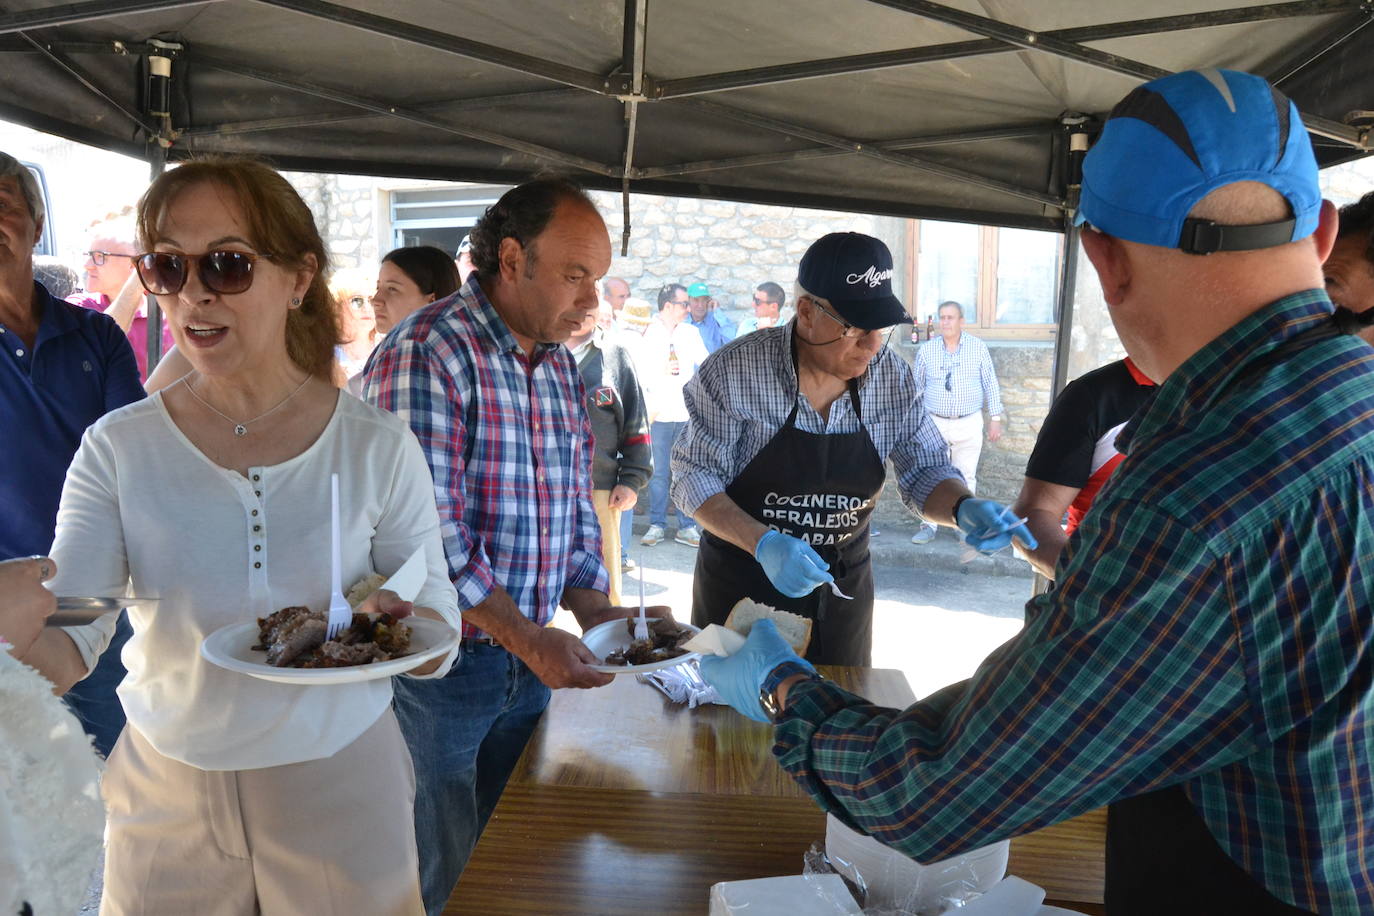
(731, 247)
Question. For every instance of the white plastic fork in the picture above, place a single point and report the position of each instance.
(641, 625)
(340, 614)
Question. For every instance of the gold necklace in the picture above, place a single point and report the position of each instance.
(241, 428)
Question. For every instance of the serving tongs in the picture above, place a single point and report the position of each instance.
(74, 612)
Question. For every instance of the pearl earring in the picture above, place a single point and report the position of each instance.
(296, 303)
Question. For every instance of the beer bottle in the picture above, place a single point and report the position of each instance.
(930, 326)
(673, 367)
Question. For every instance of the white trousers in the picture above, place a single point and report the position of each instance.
(332, 836)
(964, 437)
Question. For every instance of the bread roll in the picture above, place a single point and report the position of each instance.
(793, 627)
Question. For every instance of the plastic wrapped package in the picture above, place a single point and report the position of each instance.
(792, 895)
(892, 883)
(682, 684)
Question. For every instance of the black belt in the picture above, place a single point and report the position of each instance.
(964, 417)
(480, 641)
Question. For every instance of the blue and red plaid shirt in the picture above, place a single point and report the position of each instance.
(1209, 627)
(509, 444)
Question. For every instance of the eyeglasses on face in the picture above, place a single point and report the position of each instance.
(98, 258)
(847, 330)
(163, 273)
(762, 300)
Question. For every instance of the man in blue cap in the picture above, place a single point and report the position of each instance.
(701, 314)
(1202, 663)
(788, 433)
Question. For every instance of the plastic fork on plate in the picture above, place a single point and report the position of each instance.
(340, 614)
(641, 625)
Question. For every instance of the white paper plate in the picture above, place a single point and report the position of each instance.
(605, 638)
(231, 647)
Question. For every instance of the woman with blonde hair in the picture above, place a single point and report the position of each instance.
(228, 794)
(358, 325)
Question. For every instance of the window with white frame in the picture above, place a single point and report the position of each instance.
(1007, 280)
(439, 216)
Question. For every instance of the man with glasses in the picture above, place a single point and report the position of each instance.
(783, 456)
(769, 300)
(111, 287)
(668, 357)
(959, 379)
(62, 367)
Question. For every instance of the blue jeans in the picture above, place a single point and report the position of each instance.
(93, 701)
(465, 732)
(661, 438)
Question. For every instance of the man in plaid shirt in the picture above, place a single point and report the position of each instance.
(1202, 663)
(496, 402)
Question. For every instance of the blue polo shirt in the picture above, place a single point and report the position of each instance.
(80, 368)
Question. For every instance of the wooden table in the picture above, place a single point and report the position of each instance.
(626, 803)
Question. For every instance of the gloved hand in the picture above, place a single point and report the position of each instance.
(738, 678)
(790, 564)
(990, 526)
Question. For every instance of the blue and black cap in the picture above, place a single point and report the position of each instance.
(1174, 140)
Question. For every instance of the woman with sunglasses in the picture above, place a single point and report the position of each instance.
(358, 323)
(408, 280)
(227, 793)
(788, 433)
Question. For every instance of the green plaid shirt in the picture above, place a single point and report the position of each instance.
(1210, 626)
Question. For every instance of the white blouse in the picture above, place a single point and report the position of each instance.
(144, 510)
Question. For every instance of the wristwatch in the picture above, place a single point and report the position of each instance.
(768, 691)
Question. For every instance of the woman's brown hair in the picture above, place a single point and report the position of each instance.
(280, 225)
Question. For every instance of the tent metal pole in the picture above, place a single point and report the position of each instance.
(445, 107)
(636, 28)
(1311, 52)
(377, 106)
(85, 79)
(157, 163)
(71, 13)
(1076, 147)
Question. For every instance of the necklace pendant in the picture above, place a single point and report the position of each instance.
(240, 429)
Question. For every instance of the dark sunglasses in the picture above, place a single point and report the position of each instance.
(223, 271)
(949, 386)
(98, 258)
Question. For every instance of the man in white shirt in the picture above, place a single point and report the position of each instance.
(959, 379)
(668, 357)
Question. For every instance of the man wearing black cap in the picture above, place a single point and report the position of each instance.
(1202, 663)
(783, 455)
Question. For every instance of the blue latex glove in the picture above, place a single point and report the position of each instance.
(990, 526)
(739, 677)
(790, 564)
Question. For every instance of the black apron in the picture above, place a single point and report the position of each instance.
(1161, 858)
(820, 488)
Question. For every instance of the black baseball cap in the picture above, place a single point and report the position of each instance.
(853, 273)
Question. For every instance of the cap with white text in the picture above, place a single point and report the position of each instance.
(853, 272)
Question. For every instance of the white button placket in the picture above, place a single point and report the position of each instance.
(257, 535)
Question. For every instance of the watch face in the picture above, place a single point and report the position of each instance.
(769, 703)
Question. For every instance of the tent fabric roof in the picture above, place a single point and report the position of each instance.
(905, 107)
